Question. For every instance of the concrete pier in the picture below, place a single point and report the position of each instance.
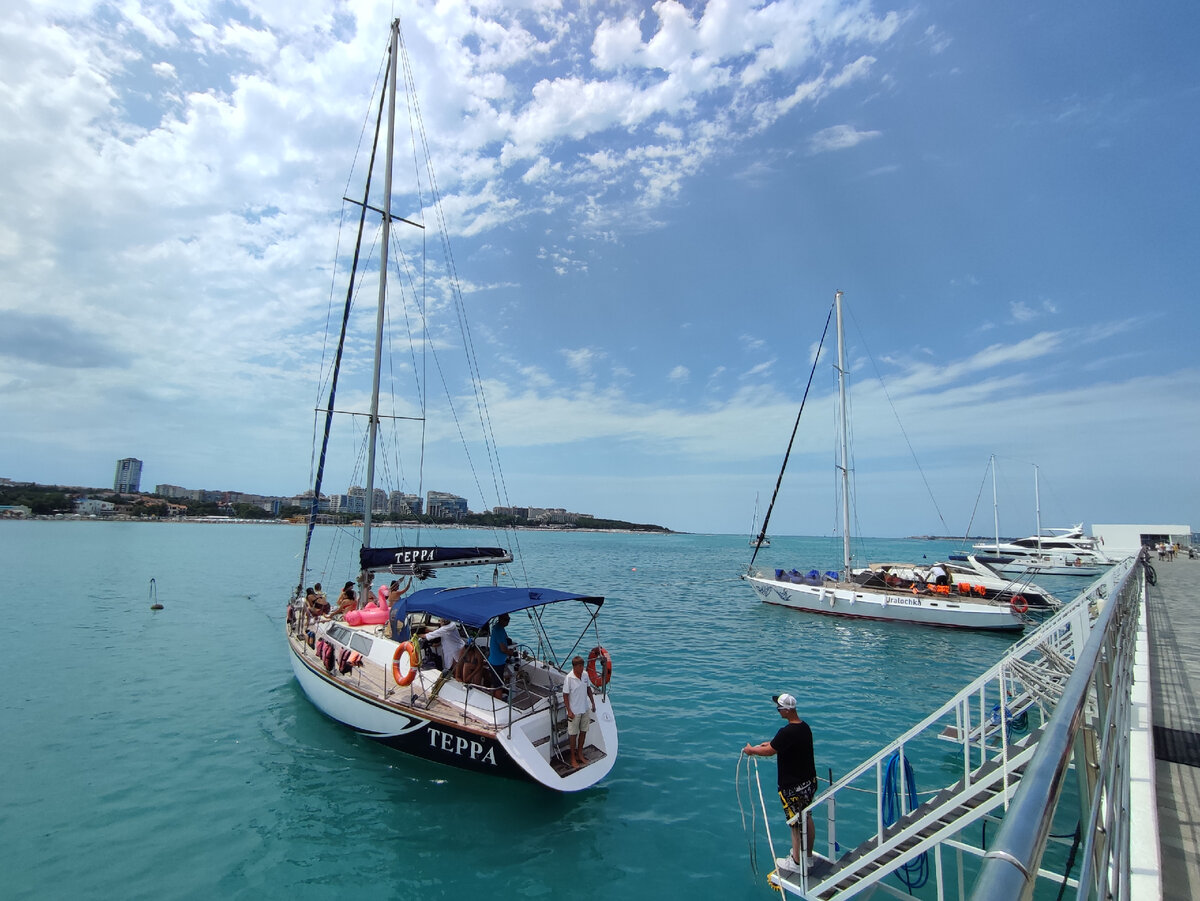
(1173, 612)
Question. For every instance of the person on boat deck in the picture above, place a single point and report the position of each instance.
(471, 666)
(319, 591)
(385, 592)
(395, 591)
(938, 575)
(793, 745)
(577, 694)
(347, 600)
(317, 605)
(452, 644)
(499, 649)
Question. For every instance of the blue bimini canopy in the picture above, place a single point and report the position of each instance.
(474, 606)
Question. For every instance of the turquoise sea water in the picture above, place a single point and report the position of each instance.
(171, 754)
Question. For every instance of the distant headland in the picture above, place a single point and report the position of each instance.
(36, 501)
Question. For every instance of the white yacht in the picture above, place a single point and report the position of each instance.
(1061, 552)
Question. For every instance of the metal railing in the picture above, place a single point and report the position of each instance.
(1048, 687)
(1090, 727)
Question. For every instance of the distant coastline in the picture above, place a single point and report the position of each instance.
(234, 521)
(30, 500)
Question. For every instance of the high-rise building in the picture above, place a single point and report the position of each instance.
(443, 505)
(129, 476)
(401, 504)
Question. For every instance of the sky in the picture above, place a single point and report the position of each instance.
(649, 209)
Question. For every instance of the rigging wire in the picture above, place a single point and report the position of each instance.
(896, 414)
(489, 439)
(405, 269)
(852, 486)
(779, 480)
(314, 508)
(333, 280)
(975, 509)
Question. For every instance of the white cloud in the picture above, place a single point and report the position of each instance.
(616, 44)
(583, 359)
(937, 40)
(839, 137)
(1026, 312)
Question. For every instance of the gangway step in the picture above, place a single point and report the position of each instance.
(948, 809)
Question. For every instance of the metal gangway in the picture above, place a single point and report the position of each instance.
(1057, 703)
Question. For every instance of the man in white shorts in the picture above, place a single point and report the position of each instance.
(577, 693)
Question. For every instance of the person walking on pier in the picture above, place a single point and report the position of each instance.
(793, 746)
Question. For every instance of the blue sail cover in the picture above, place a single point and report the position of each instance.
(474, 606)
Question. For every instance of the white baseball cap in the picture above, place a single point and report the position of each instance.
(784, 701)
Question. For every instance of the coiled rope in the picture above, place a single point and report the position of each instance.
(752, 782)
(915, 873)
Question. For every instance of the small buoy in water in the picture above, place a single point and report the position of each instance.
(154, 604)
(635, 569)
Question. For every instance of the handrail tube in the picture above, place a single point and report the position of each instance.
(1009, 867)
(1113, 787)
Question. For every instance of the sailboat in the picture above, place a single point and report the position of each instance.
(1061, 552)
(375, 667)
(859, 595)
(761, 539)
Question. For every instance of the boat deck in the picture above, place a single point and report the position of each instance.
(375, 680)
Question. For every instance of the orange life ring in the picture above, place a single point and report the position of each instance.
(599, 678)
(915, 590)
(1019, 604)
(401, 677)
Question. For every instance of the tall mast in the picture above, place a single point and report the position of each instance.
(1037, 507)
(995, 507)
(383, 270)
(845, 462)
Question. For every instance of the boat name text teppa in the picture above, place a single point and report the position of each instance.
(420, 555)
(457, 745)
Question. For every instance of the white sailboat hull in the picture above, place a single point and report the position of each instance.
(841, 599)
(521, 749)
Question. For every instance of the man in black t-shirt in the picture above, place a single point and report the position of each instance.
(793, 746)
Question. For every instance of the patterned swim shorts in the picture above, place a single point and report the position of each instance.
(796, 798)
